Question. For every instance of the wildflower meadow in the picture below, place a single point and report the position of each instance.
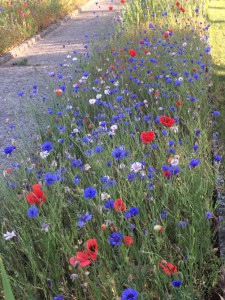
(116, 199)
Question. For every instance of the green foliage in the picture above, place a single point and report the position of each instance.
(5, 282)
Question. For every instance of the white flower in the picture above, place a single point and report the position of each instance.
(67, 189)
(107, 92)
(136, 167)
(45, 227)
(105, 196)
(174, 129)
(9, 235)
(92, 101)
(54, 163)
(75, 130)
(174, 162)
(87, 167)
(98, 96)
(116, 83)
(74, 58)
(99, 70)
(114, 127)
(184, 44)
(44, 154)
(122, 166)
(74, 277)
(68, 56)
(111, 133)
(180, 79)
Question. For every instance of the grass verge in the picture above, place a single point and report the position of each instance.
(116, 200)
(20, 20)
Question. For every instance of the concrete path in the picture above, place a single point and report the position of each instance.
(43, 57)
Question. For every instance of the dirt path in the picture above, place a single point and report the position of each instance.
(47, 55)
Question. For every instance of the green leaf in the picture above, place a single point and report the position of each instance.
(5, 282)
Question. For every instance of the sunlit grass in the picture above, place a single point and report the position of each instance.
(216, 18)
(20, 20)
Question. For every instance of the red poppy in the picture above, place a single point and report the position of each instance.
(132, 52)
(110, 7)
(182, 9)
(147, 137)
(37, 196)
(166, 34)
(145, 51)
(167, 174)
(177, 4)
(59, 92)
(168, 268)
(122, 1)
(113, 228)
(179, 103)
(81, 258)
(166, 121)
(9, 170)
(128, 240)
(121, 50)
(119, 205)
(92, 249)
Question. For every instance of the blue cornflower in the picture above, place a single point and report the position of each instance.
(89, 193)
(171, 143)
(134, 211)
(9, 149)
(177, 83)
(194, 162)
(76, 179)
(208, 215)
(116, 239)
(176, 283)
(131, 176)
(127, 215)
(98, 149)
(163, 214)
(50, 178)
(109, 204)
(165, 132)
(129, 294)
(47, 146)
(32, 212)
(195, 148)
(83, 219)
(217, 158)
(118, 153)
(207, 49)
(182, 224)
(20, 93)
(60, 297)
(216, 113)
(174, 170)
(154, 146)
(76, 163)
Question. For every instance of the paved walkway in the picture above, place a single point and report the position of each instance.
(43, 57)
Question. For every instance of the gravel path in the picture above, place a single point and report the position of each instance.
(43, 57)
